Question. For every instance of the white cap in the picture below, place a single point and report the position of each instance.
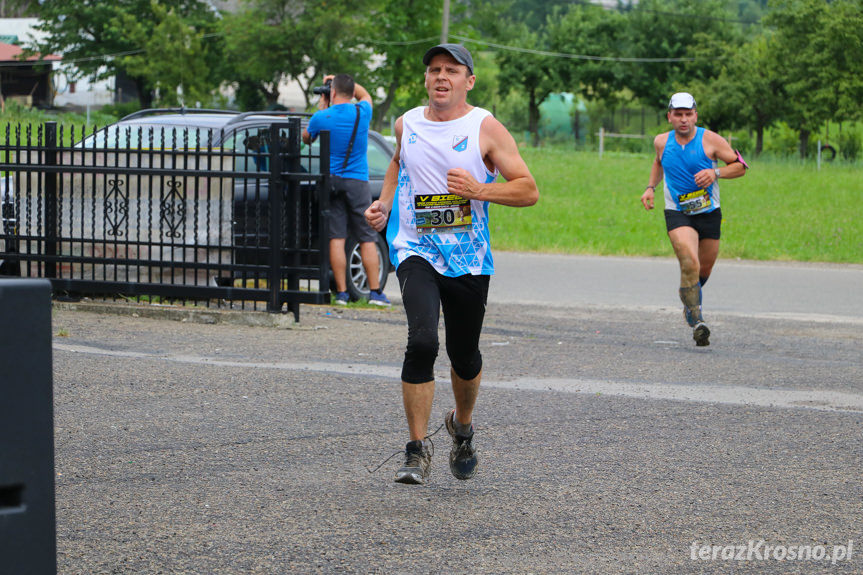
(681, 100)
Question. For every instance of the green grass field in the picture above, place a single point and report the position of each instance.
(781, 210)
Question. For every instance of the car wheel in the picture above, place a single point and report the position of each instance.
(358, 284)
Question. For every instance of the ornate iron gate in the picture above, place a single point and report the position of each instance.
(190, 223)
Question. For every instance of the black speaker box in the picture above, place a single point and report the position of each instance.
(28, 542)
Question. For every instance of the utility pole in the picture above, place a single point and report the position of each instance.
(444, 32)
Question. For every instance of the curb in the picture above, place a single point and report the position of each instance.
(187, 314)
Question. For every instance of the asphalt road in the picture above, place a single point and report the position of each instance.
(608, 442)
(759, 289)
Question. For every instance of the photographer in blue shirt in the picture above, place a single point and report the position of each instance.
(348, 124)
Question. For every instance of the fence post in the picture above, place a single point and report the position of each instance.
(323, 192)
(50, 214)
(293, 209)
(601, 140)
(275, 196)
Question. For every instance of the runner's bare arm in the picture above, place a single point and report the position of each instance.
(717, 148)
(500, 150)
(378, 212)
(655, 172)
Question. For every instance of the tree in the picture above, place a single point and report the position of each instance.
(173, 62)
(95, 35)
(818, 50)
(482, 19)
(535, 13)
(275, 40)
(259, 53)
(18, 8)
(529, 71)
(402, 31)
(747, 93)
(592, 37)
(660, 33)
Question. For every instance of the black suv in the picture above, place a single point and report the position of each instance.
(246, 136)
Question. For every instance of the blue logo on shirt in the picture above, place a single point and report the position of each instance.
(459, 143)
(412, 139)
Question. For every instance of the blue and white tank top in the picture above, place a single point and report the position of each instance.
(679, 165)
(448, 231)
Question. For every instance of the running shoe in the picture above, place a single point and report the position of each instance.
(701, 334)
(342, 298)
(417, 465)
(379, 298)
(462, 456)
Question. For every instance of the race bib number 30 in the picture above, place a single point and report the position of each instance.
(442, 214)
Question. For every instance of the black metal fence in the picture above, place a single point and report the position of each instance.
(181, 215)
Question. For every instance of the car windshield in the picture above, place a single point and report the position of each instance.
(249, 145)
(151, 137)
(379, 159)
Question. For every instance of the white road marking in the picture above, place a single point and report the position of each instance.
(824, 400)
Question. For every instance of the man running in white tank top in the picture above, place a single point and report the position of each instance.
(434, 204)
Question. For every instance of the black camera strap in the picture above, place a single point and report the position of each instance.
(353, 137)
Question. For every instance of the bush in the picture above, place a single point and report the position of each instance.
(512, 111)
(850, 144)
(122, 109)
(16, 113)
(743, 141)
(782, 141)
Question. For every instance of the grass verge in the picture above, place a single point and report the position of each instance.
(786, 211)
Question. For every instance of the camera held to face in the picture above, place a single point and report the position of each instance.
(325, 89)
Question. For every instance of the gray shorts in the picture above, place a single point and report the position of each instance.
(348, 204)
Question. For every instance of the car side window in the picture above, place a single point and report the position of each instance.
(379, 159)
(312, 157)
(251, 147)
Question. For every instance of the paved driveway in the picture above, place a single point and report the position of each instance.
(608, 442)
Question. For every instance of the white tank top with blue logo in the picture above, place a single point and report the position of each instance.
(448, 231)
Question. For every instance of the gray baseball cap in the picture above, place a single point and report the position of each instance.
(457, 51)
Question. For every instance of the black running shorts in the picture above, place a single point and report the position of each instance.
(707, 225)
(463, 299)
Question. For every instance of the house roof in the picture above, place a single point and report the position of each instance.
(10, 53)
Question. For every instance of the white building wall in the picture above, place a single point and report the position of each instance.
(291, 96)
(86, 93)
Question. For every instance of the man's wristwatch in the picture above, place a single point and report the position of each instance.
(716, 171)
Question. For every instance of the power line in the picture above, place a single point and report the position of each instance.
(570, 56)
(623, 10)
(65, 60)
(703, 17)
(404, 42)
(493, 45)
